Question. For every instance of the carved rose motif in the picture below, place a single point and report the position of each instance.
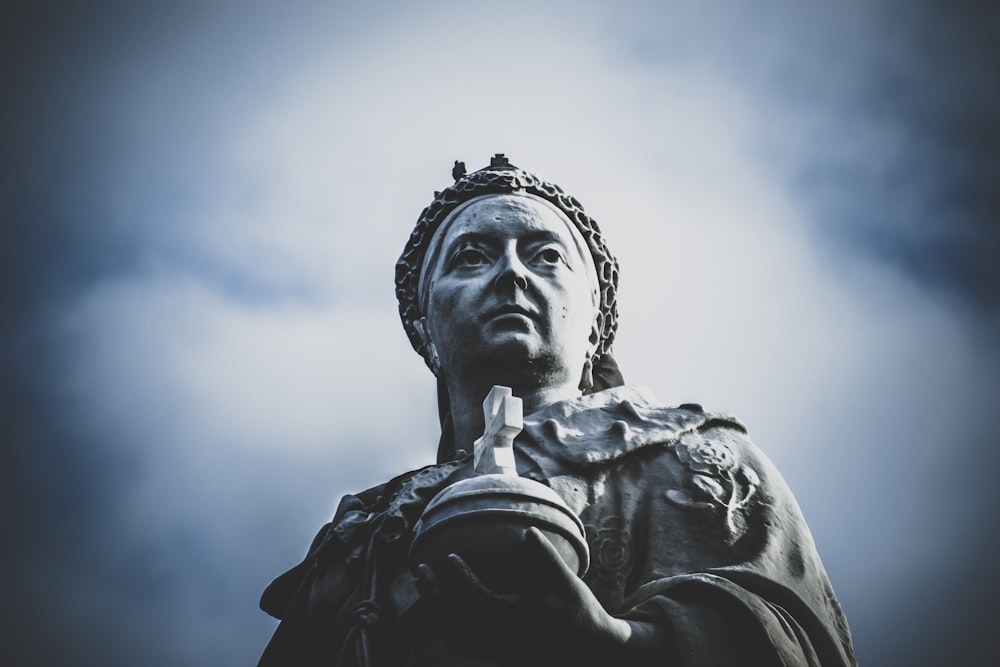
(706, 456)
(610, 550)
(718, 483)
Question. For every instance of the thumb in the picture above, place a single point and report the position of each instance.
(548, 555)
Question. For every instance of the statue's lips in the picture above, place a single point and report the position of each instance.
(507, 311)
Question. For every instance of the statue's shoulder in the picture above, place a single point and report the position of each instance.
(606, 425)
(389, 510)
(704, 418)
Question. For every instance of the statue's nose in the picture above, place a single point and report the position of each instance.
(512, 272)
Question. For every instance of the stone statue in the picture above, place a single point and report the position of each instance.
(628, 533)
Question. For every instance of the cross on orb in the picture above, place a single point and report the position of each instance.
(504, 416)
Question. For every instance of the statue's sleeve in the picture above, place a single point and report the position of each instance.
(751, 588)
(327, 601)
(291, 596)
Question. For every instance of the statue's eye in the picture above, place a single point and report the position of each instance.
(469, 257)
(549, 256)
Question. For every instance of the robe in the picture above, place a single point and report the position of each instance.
(688, 525)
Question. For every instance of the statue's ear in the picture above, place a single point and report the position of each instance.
(606, 373)
(595, 334)
(587, 376)
(431, 352)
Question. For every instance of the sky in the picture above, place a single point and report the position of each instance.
(202, 205)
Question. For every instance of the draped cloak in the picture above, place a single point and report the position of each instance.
(688, 525)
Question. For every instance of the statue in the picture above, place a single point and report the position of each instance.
(570, 518)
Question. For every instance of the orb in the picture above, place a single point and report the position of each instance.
(483, 519)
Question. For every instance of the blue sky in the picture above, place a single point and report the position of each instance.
(202, 206)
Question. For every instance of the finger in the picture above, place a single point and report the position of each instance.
(454, 573)
(558, 576)
(541, 545)
(451, 574)
(427, 580)
(459, 566)
(473, 585)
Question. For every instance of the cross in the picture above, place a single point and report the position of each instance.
(503, 413)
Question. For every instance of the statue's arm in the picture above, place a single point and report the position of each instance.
(752, 582)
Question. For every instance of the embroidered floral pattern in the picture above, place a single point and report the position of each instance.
(610, 550)
(706, 456)
(719, 484)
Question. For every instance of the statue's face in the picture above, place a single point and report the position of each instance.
(509, 292)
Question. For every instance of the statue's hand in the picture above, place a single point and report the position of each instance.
(567, 607)
(564, 613)
(470, 615)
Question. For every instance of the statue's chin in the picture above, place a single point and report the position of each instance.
(510, 350)
(520, 360)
